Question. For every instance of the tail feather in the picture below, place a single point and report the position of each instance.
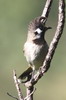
(25, 74)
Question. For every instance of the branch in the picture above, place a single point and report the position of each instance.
(47, 8)
(29, 85)
(53, 44)
(29, 97)
(12, 96)
(17, 86)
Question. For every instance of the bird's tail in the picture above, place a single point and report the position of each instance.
(26, 74)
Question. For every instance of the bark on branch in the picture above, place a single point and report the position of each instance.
(54, 42)
(20, 95)
(47, 8)
(52, 47)
(46, 64)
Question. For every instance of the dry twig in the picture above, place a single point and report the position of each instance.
(17, 86)
(61, 20)
(12, 96)
(54, 42)
(52, 47)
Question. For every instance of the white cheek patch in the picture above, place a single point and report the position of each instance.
(38, 30)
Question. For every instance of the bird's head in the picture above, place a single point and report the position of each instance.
(37, 28)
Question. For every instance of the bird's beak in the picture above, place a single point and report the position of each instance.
(48, 28)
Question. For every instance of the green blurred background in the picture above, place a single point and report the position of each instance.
(14, 18)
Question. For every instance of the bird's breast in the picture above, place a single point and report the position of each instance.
(35, 54)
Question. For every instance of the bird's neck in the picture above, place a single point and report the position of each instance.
(39, 41)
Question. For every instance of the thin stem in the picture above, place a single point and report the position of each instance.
(17, 86)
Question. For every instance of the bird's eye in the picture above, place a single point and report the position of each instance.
(36, 33)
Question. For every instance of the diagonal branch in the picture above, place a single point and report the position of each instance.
(54, 42)
(29, 85)
(53, 45)
(47, 8)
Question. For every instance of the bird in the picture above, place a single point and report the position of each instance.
(35, 47)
